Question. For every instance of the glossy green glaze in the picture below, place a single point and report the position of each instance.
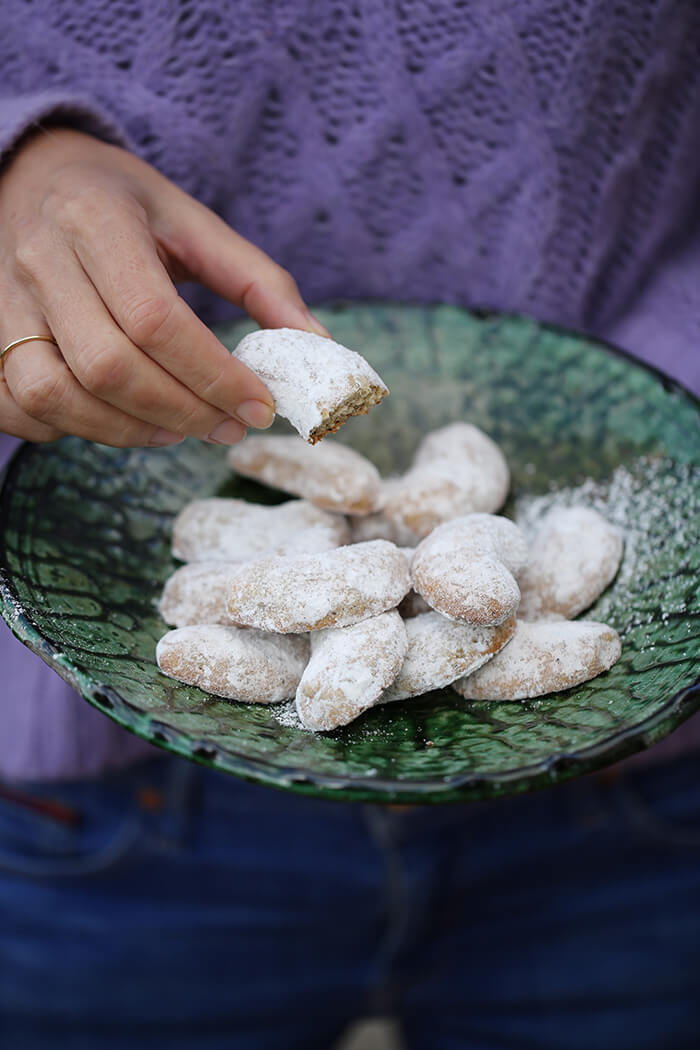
(84, 551)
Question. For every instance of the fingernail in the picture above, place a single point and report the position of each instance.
(314, 325)
(161, 437)
(256, 414)
(229, 432)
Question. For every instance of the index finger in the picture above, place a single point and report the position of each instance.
(220, 258)
(119, 255)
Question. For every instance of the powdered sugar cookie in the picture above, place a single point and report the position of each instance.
(317, 384)
(573, 556)
(196, 593)
(544, 658)
(439, 651)
(238, 664)
(457, 470)
(378, 526)
(425, 497)
(311, 591)
(235, 530)
(329, 475)
(466, 568)
(464, 443)
(349, 669)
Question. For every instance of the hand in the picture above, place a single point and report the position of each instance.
(91, 240)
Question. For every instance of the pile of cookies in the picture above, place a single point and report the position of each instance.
(365, 590)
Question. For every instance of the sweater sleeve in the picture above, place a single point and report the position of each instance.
(60, 65)
(23, 112)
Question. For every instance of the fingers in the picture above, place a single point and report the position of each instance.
(228, 264)
(121, 260)
(40, 398)
(44, 389)
(17, 423)
(108, 365)
(13, 420)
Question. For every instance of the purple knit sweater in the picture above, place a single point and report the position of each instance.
(527, 155)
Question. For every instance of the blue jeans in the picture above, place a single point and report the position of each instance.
(170, 907)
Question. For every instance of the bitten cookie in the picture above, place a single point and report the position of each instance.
(235, 530)
(237, 664)
(329, 475)
(317, 384)
(466, 569)
(544, 658)
(439, 651)
(331, 589)
(196, 593)
(349, 669)
(456, 470)
(573, 556)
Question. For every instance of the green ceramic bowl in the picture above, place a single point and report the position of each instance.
(84, 551)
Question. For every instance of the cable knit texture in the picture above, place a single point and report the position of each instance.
(528, 155)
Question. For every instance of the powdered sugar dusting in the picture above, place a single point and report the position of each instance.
(642, 500)
(285, 714)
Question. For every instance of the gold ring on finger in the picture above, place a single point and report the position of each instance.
(26, 339)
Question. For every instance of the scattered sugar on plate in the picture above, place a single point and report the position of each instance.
(647, 500)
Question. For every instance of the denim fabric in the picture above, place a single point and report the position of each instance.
(171, 907)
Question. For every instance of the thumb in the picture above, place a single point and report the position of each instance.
(214, 255)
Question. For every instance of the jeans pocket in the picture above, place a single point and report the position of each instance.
(662, 803)
(66, 830)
